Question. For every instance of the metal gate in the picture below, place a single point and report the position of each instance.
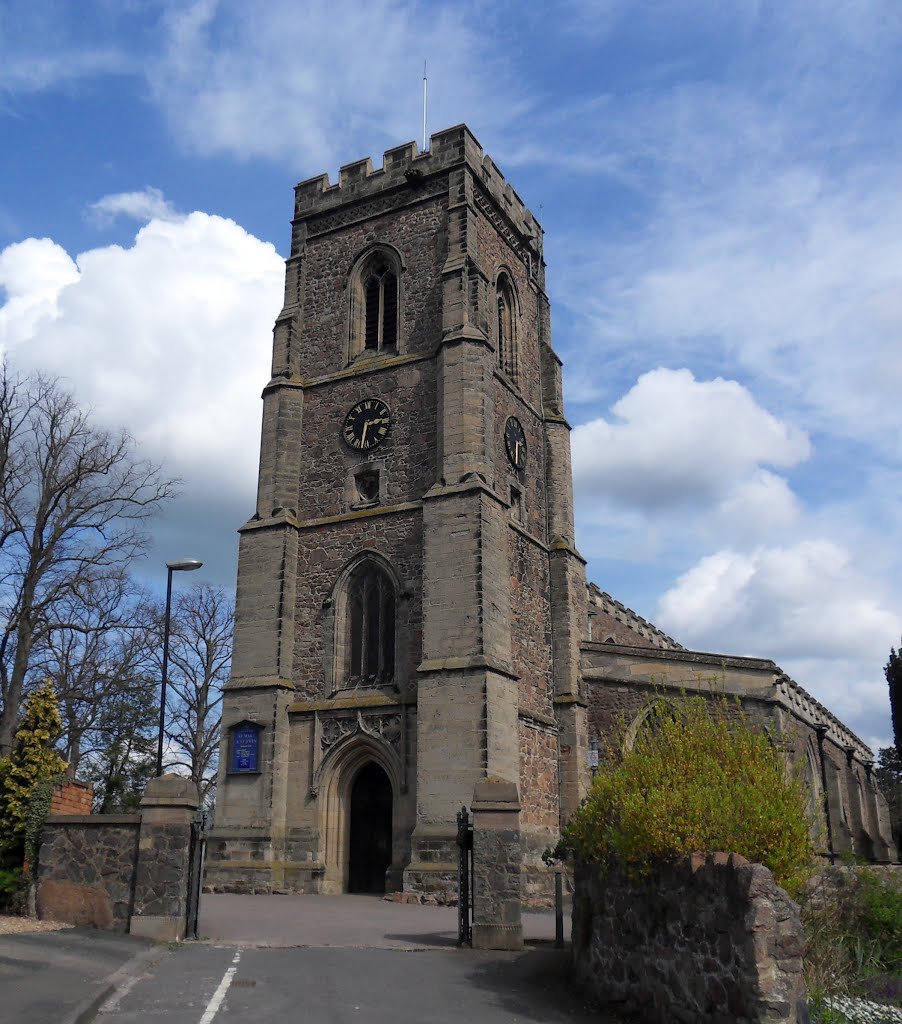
(196, 857)
(464, 877)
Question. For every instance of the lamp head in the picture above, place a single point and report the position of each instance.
(186, 565)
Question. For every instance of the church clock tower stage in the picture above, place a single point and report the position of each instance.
(410, 602)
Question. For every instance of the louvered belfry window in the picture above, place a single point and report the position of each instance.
(371, 626)
(380, 293)
(507, 350)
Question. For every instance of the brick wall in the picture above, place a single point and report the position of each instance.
(72, 797)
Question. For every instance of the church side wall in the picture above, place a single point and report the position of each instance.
(624, 687)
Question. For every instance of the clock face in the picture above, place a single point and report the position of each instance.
(515, 442)
(366, 425)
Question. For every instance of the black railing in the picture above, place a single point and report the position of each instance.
(196, 872)
(464, 877)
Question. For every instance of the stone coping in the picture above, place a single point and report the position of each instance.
(93, 819)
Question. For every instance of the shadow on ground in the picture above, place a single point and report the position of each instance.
(446, 939)
(536, 986)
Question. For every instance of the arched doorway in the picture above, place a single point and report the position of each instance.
(369, 854)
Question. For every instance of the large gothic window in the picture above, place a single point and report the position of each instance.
(375, 304)
(370, 627)
(505, 327)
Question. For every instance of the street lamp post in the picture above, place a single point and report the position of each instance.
(188, 565)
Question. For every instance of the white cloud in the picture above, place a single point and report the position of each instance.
(675, 440)
(170, 337)
(147, 204)
(313, 86)
(33, 274)
(803, 601)
(808, 607)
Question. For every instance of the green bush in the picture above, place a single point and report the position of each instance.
(699, 777)
(853, 924)
(33, 761)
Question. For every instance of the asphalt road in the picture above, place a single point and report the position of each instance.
(204, 984)
(57, 977)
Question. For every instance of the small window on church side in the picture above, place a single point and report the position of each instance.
(507, 351)
(370, 627)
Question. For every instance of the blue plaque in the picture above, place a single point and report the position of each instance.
(245, 747)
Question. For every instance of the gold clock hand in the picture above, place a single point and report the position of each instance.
(366, 424)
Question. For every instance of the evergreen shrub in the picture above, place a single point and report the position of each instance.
(33, 762)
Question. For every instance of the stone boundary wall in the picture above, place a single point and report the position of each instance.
(121, 872)
(86, 869)
(709, 940)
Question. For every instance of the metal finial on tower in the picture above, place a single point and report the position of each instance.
(425, 147)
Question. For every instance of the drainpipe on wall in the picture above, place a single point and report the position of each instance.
(821, 730)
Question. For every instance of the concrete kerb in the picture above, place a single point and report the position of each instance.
(116, 984)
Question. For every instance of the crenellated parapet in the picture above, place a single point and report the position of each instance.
(409, 171)
(810, 710)
(603, 602)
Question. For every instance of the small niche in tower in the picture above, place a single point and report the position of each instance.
(366, 483)
(517, 504)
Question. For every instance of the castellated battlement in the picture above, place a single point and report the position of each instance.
(810, 710)
(404, 166)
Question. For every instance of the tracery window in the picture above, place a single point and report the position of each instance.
(370, 626)
(505, 326)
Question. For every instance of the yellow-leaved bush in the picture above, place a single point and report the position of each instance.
(699, 777)
(34, 760)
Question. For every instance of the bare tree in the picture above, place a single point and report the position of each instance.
(74, 500)
(200, 655)
(104, 650)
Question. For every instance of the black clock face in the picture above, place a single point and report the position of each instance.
(366, 425)
(515, 442)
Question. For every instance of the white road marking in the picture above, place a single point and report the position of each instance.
(218, 996)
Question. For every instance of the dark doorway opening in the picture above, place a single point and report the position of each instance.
(370, 845)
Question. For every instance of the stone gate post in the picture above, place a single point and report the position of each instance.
(164, 849)
(497, 857)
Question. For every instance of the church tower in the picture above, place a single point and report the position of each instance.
(410, 602)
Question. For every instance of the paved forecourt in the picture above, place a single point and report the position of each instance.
(343, 921)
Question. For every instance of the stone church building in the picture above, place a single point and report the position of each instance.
(412, 613)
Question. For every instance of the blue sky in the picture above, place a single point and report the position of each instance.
(719, 185)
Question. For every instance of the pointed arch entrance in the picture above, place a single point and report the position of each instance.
(359, 806)
(370, 840)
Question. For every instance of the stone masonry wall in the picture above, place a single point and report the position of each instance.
(709, 940)
(86, 870)
(121, 872)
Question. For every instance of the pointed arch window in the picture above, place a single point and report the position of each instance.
(381, 303)
(370, 627)
(505, 310)
(375, 324)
